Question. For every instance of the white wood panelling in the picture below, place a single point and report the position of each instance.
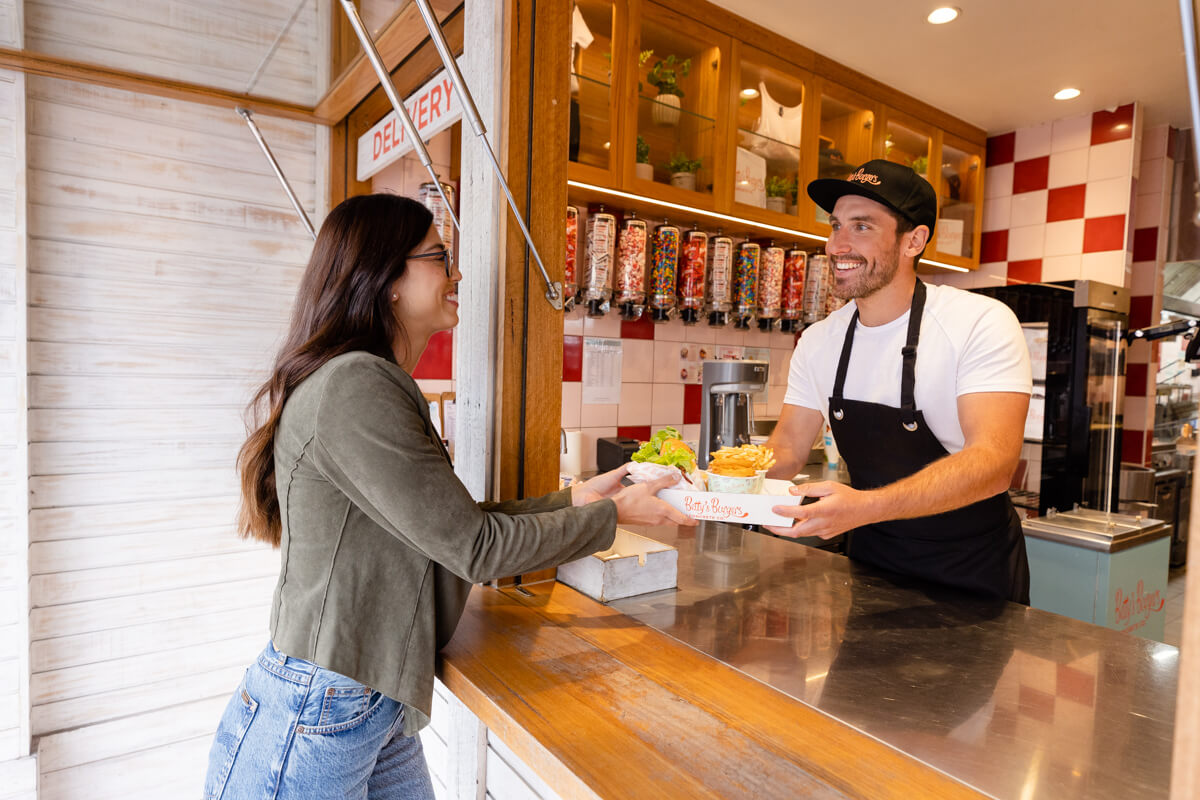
(163, 259)
(216, 43)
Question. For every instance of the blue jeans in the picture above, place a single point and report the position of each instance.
(295, 731)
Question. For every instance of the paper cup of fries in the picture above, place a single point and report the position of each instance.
(739, 470)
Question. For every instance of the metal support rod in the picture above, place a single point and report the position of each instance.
(389, 88)
(247, 115)
(1187, 22)
(473, 118)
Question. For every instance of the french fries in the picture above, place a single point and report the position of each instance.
(741, 462)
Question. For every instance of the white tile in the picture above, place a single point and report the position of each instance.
(1106, 198)
(666, 362)
(998, 181)
(730, 335)
(1107, 267)
(1139, 352)
(775, 403)
(637, 360)
(1029, 208)
(1064, 238)
(781, 339)
(702, 333)
(691, 435)
(635, 404)
(671, 331)
(606, 327)
(757, 338)
(588, 443)
(1068, 168)
(667, 408)
(592, 416)
(1061, 268)
(959, 280)
(1136, 416)
(1154, 142)
(1032, 142)
(573, 321)
(781, 361)
(1110, 160)
(1071, 134)
(1152, 180)
(1026, 242)
(572, 401)
(997, 212)
(1148, 210)
(994, 273)
(1144, 279)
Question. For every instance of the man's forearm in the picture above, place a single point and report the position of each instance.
(968, 476)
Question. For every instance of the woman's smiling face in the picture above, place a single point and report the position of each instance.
(424, 298)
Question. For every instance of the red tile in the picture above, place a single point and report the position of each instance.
(1066, 202)
(1104, 233)
(642, 328)
(1135, 379)
(1141, 311)
(1131, 447)
(437, 362)
(1029, 271)
(1031, 175)
(692, 395)
(572, 358)
(639, 432)
(1000, 148)
(1145, 244)
(993, 247)
(1035, 704)
(1112, 126)
(1075, 684)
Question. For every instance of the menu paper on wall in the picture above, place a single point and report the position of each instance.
(601, 371)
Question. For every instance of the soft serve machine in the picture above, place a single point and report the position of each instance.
(727, 413)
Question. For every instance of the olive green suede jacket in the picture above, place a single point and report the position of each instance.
(381, 541)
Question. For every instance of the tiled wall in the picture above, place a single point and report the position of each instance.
(1151, 224)
(653, 391)
(1057, 202)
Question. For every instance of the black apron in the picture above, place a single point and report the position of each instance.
(979, 547)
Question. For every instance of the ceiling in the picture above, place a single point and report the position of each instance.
(998, 65)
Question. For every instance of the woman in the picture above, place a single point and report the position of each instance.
(380, 542)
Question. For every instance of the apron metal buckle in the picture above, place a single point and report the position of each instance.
(910, 426)
(837, 413)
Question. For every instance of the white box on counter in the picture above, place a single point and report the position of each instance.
(744, 509)
(633, 565)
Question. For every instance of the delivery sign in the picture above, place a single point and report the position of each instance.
(433, 108)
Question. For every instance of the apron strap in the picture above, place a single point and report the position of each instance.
(908, 374)
(839, 381)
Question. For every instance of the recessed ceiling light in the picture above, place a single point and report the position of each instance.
(749, 94)
(1066, 94)
(940, 16)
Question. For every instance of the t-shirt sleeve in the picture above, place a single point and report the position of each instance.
(801, 388)
(581, 35)
(995, 358)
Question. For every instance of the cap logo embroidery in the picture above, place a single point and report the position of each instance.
(865, 177)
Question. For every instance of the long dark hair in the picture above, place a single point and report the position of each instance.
(342, 305)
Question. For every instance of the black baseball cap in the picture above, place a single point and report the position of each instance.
(894, 185)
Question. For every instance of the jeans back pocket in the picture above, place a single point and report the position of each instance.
(239, 713)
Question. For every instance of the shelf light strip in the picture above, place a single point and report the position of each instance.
(727, 218)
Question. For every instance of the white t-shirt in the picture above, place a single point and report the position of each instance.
(969, 343)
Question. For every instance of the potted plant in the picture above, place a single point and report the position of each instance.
(643, 168)
(920, 165)
(779, 191)
(665, 75)
(683, 171)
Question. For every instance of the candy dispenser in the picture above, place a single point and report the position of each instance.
(429, 197)
(570, 281)
(745, 283)
(597, 274)
(629, 291)
(816, 288)
(663, 269)
(770, 286)
(693, 263)
(720, 279)
(792, 297)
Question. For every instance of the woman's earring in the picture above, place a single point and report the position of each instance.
(395, 297)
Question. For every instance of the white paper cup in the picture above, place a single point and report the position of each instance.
(751, 484)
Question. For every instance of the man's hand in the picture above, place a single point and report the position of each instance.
(838, 509)
(604, 485)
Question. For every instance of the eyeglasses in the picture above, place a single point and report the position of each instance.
(443, 254)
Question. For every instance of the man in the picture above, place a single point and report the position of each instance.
(925, 388)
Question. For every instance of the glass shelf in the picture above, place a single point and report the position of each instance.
(769, 128)
(845, 138)
(671, 132)
(958, 201)
(592, 101)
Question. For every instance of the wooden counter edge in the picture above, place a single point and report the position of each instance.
(831, 752)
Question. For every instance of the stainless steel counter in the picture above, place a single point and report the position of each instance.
(1015, 702)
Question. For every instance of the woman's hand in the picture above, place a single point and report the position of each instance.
(637, 505)
(604, 485)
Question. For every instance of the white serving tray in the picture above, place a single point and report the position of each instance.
(633, 565)
(746, 509)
